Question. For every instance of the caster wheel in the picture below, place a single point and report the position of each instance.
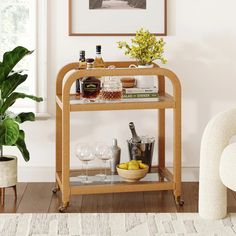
(55, 190)
(62, 209)
(179, 201)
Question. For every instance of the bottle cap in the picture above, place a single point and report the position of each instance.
(89, 60)
(114, 141)
(82, 53)
(98, 49)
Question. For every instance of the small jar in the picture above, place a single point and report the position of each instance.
(111, 90)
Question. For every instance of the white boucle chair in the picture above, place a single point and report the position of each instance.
(217, 165)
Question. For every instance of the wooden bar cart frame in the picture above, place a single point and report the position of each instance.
(166, 101)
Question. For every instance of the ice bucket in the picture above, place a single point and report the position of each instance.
(142, 151)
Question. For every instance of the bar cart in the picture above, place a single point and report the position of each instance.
(166, 180)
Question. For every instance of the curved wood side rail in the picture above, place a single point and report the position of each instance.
(162, 72)
(74, 66)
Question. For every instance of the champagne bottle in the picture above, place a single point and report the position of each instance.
(135, 137)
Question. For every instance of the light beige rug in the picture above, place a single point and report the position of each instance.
(114, 224)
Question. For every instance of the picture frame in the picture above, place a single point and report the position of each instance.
(113, 22)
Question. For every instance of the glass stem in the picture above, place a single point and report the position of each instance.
(105, 171)
(86, 171)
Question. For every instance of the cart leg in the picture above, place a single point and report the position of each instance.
(177, 149)
(179, 201)
(161, 138)
(56, 188)
(63, 207)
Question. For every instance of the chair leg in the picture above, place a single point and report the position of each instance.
(2, 196)
(15, 191)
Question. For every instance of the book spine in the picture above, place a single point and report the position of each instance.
(137, 90)
(140, 95)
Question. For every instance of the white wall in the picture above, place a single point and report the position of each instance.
(200, 50)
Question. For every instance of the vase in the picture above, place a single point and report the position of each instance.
(144, 81)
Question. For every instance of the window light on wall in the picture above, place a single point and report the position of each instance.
(24, 23)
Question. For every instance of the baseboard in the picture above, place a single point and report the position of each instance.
(47, 174)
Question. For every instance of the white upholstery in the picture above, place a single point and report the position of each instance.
(228, 166)
(212, 192)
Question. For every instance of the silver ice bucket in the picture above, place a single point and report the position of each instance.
(142, 151)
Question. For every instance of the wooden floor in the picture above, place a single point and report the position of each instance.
(38, 198)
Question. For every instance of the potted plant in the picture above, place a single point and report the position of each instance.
(145, 48)
(10, 132)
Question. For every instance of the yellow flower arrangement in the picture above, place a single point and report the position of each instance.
(145, 48)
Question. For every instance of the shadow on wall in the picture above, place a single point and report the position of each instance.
(208, 75)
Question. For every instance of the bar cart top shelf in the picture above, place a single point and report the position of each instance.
(163, 101)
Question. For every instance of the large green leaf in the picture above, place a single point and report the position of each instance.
(20, 143)
(22, 117)
(9, 132)
(11, 83)
(13, 97)
(10, 59)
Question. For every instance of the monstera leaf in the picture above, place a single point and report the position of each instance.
(9, 132)
(10, 59)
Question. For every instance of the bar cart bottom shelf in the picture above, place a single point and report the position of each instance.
(159, 179)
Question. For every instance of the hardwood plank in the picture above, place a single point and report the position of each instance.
(89, 204)
(161, 201)
(11, 204)
(231, 201)
(36, 199)
(128, 203)
(105, 203)
(190, 197)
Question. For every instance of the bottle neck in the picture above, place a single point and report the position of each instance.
(98, 55)
(82, 58)
(135, 137)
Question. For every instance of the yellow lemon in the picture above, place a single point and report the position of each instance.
(123, 166)
(133, 166)
(143, 166)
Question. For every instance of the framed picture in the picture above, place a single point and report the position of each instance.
(116, 17)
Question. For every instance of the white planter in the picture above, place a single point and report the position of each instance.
(8, 172)
(147, 81)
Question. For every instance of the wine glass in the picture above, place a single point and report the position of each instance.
(85, 153)
(103, 152)
(99, 152)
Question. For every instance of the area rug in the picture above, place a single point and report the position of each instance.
(114, 224)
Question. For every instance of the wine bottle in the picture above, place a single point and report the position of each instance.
(82, 65)
(135, 137)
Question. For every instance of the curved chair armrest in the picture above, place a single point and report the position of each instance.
(212, 192)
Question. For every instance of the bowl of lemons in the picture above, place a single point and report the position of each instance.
(132, 171)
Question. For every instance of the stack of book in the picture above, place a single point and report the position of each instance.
(140, 93)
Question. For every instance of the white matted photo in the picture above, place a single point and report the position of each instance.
(116, 17)
(117, 4)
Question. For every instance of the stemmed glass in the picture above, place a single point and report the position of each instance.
(85, 153)
(104, 153)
